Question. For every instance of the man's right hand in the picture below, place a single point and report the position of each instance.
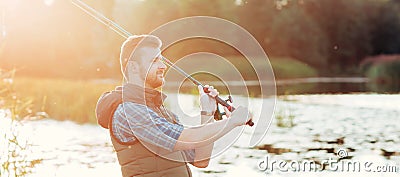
(207, 100)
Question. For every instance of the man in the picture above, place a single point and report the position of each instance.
(148, 138)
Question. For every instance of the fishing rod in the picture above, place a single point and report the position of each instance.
(121, 31)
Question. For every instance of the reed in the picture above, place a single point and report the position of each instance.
(285, 117)
(15, 149)
(63, 99)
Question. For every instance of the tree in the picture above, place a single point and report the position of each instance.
(386, 39)
(347, 25)
(294, 34)
(256, 17)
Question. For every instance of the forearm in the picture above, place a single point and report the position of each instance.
(197, 137)
(203, 154)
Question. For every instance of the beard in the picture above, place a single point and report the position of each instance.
(153, 79)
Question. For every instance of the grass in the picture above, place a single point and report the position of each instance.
(63, 99)
(285, 117)
(285, 68)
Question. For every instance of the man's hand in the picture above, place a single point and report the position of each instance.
(207, 100)
(240, 116)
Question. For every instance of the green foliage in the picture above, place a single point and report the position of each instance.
(383, 71)
(294, 34)
(386, 38)
(79, 47)
(348, 29)
(285, 68)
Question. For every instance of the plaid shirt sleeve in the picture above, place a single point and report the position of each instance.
(188, 153)
(132, 120)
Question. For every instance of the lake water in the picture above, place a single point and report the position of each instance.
(312, 85)
(365, 127)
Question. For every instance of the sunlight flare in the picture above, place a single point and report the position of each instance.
(48, 2)
(3, 24)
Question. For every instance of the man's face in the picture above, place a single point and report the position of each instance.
(152, 68)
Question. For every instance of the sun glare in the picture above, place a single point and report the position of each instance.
(2, 24)
(48, 2)
(3, 33)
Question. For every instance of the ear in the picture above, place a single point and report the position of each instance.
(134, 67)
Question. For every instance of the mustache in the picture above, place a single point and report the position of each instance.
(160, 71)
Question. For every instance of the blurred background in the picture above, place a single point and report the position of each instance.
(333, 46)
(54, 39)
(55, 60)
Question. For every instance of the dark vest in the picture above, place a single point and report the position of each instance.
(135, 159)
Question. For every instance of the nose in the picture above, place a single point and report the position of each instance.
(161, 65)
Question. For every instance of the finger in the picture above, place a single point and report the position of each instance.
(249, 116)
(227, 112)
(206, 89)
(201, 91)
(211, 88)
(213, 93)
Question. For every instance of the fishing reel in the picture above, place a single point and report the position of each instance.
(218, 114)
